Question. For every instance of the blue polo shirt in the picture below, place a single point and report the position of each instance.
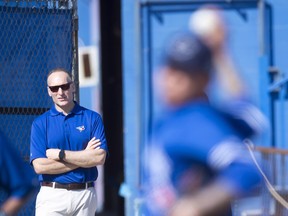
(16, 176)
(72, 132)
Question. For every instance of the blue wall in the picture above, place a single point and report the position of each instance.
(255, 45)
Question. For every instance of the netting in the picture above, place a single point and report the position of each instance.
(271, 199)
(35, 37)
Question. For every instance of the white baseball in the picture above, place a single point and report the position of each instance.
(204, 22)
(209, 25)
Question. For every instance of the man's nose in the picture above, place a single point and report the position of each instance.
(60, 90)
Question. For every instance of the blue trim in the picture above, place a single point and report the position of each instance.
(188, 5)
(275, 87)
(132, 102)
(282, 119)
(265, 99)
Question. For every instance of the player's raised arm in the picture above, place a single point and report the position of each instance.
(209, 24)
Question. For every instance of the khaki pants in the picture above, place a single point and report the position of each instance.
(55, 202)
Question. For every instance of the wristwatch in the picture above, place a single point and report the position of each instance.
(61, 154)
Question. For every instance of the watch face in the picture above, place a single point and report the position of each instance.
(61, 154)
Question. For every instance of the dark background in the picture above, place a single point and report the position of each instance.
(110, 16)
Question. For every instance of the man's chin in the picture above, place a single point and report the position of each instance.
(63, 103)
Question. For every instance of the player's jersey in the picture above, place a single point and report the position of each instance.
(190, 147)
(245, 117)
(16, 177)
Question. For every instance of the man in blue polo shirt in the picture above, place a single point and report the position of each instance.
(67, 143)
(16, 178)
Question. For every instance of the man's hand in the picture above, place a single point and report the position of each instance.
(184, 207)
(93, 144)
(208, 23)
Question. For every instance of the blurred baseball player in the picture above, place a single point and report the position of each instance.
(16, 178)
(197, 162)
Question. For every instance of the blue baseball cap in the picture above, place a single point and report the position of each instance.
(186, 52)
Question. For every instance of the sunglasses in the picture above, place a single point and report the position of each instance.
(64, 87)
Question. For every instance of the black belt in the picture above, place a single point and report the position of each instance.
(71, 186)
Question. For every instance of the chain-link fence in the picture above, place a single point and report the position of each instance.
(35, 37)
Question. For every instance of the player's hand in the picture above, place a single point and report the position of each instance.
(93, 144)
(184, 207)
(53, 154)
(208, 23)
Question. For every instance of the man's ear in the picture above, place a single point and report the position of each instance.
(49, 92)
(73, 87)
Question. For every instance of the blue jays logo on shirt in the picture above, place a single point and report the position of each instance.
(80, 128)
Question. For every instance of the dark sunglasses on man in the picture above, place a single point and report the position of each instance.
(64, 87)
